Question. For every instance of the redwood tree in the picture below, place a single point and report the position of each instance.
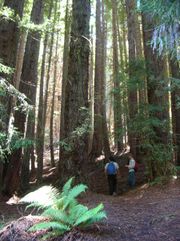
(76, 93)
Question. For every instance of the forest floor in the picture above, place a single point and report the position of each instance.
(146, 213)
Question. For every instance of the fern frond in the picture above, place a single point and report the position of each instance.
(50, 225)
(96, 218)
(36, 205)
(67, 186)
(44, 196)
(73, 203)
(74, 192)
(56, 215)
(76, 212)
(60, 202)
(89, 214)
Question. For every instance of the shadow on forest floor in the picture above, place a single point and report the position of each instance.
(145, 213)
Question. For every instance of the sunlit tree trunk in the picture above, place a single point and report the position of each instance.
(53, 89)
(41, 118)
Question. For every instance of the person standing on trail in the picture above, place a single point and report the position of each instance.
(131, 174)
(111, 170)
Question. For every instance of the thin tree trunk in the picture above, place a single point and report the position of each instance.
(41, 111)
(132, 85)
(49, 64)
(116, 77)
(175, 73)
(64, 82)
(106, 145)
(53, 92)
(91, 94)
(98, 131)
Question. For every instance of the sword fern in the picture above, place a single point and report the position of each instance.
(63, 211)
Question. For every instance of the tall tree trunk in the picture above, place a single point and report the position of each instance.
(156, 65)
(46, 89)
(98, 131)
(29, 86)
(64, 83)
(53, 92)
(116, 79)
(11, 181)
(106, 145)
(91, 93)
(76, 93)
(132, 85)
(175, 73)
(41, 118)
(9, 41)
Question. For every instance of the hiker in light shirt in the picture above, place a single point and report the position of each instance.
(131, 174)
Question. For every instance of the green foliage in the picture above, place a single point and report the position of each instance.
(5, 69)
(177, 168)
(11, 139)
(63, 211)
(8, 14)
(161, 180)
(147, 123)
(166, 33)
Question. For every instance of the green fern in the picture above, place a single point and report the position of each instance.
(89, 215)
(63, 211)
(73, 193)
(67, 186)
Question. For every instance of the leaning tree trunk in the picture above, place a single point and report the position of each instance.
(29, 85)
(76, 93)
(12, 178)
(11, 181)
(9, 38)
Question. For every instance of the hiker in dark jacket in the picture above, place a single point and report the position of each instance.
(111, 170)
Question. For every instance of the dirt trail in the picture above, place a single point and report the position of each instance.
(151, 214)
(143, 214)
